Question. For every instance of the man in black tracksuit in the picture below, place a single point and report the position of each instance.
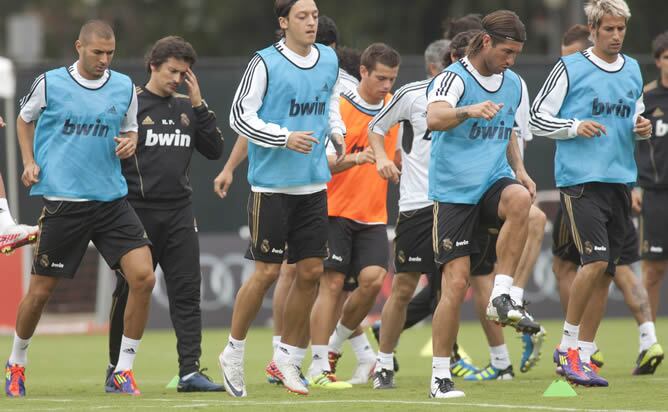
(171, 127)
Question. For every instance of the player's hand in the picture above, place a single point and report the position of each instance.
(485, 110)
(340, 145)
(590, 128)
(636, 201)
(388, 170)
(30, 174)
(2, 122)
(301, 142)
(125, 146)
(222, 182)
(526, 181)
(193, 88)
(365, 156)
(643, 127)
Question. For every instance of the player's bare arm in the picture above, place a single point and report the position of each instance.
(643, 127)
(126, 144)
(517, 164)
(222, 182)
(351, 160)
(193, 88)
(442, 116)
(385, 167)
(26, 136)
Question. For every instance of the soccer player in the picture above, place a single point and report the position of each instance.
(567, 259)
(595, 129)
(287, 107)
(471, 109)
(12, 235)
(356, 198)
(653, 178)
(171, 127)
(72, 158)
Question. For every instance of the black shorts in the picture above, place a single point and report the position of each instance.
(482, 263)
(654, 225)
(279, 220)
(599, 219)
(413, 245)
(67, 227)
(456, 226)
(354, 246)
(562, 242)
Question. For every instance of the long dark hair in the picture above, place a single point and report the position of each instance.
(501, 25)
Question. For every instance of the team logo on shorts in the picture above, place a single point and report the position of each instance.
(44, 261)
(401, 257)
(447, 244)
(588, 248)
(264, 247)
(185, 122)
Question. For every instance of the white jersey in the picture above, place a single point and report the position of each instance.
(347, 82)
(409, 106)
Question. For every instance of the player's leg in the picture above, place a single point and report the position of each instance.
(654, 244)
(653, 273)
(286, 276)
(13, 235)
(535, 234)
(591, 320)
(323, 321)
(565, 257)
(116, 313)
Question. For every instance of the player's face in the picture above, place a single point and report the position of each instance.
(609, 36)
(501, 55)
(95, 55)
(167, 77)
(301, 25)
(662, 63)
(378, 82)
(573, 48)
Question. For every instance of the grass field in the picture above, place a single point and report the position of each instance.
(67, 372)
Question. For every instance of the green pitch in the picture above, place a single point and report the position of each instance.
(66, 373)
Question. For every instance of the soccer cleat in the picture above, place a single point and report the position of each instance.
(333, 359)
(459, 353)
(290, 376)
(571, 366)
(233, 376)
(526, 324)
(383, 379)
(327, 380)
(270, 372)
(444, 388)
(594, 378)
(491, 373)
(363, 372)
(122, 382)
(462, 368)
(14, 236)
(531, 346)
(375, 328)
(199, 382)
(501, 310)
(648, 360)
(15, 380)
(597, 358)
(108, 383)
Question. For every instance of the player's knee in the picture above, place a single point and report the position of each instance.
(142, 280)
(517, 204)
(598, 267)
(39, 295)
(403, 291)
(332, 284)
(266, 274)
(373, 285)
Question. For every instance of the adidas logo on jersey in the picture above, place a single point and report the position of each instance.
(97, 129)
(618, 109)
(112, 110)
(490, 132)
(325, 88)
(308, 108)
(631, 95)
(167, 139)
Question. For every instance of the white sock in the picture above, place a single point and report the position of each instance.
(285, 353)
(384, 361)
(19, 354)
(362, 348)
(500, 358)
(319, 361)
(647, 335)
(234, 349)
(569, 339)
(440, 368)
(502, 284)
(5, 215)
(517, 294)
(341, 333)
(274, 342)
(127, 355)
(586, 350)
(298, 356)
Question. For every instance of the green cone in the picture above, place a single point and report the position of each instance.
(173, 383)
(559, 388)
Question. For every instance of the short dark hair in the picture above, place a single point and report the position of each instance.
(453, 27)
(99, 28)
(460, 43)
(350, 60)
(379, 53)
(170, 46)
(501, 26)
(282, 7)
(576, 33)
(660, 44)
(328, 34)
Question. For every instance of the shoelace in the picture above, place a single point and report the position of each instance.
(16, 372)
(574, 360)
(201, 372)
(444, 384)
